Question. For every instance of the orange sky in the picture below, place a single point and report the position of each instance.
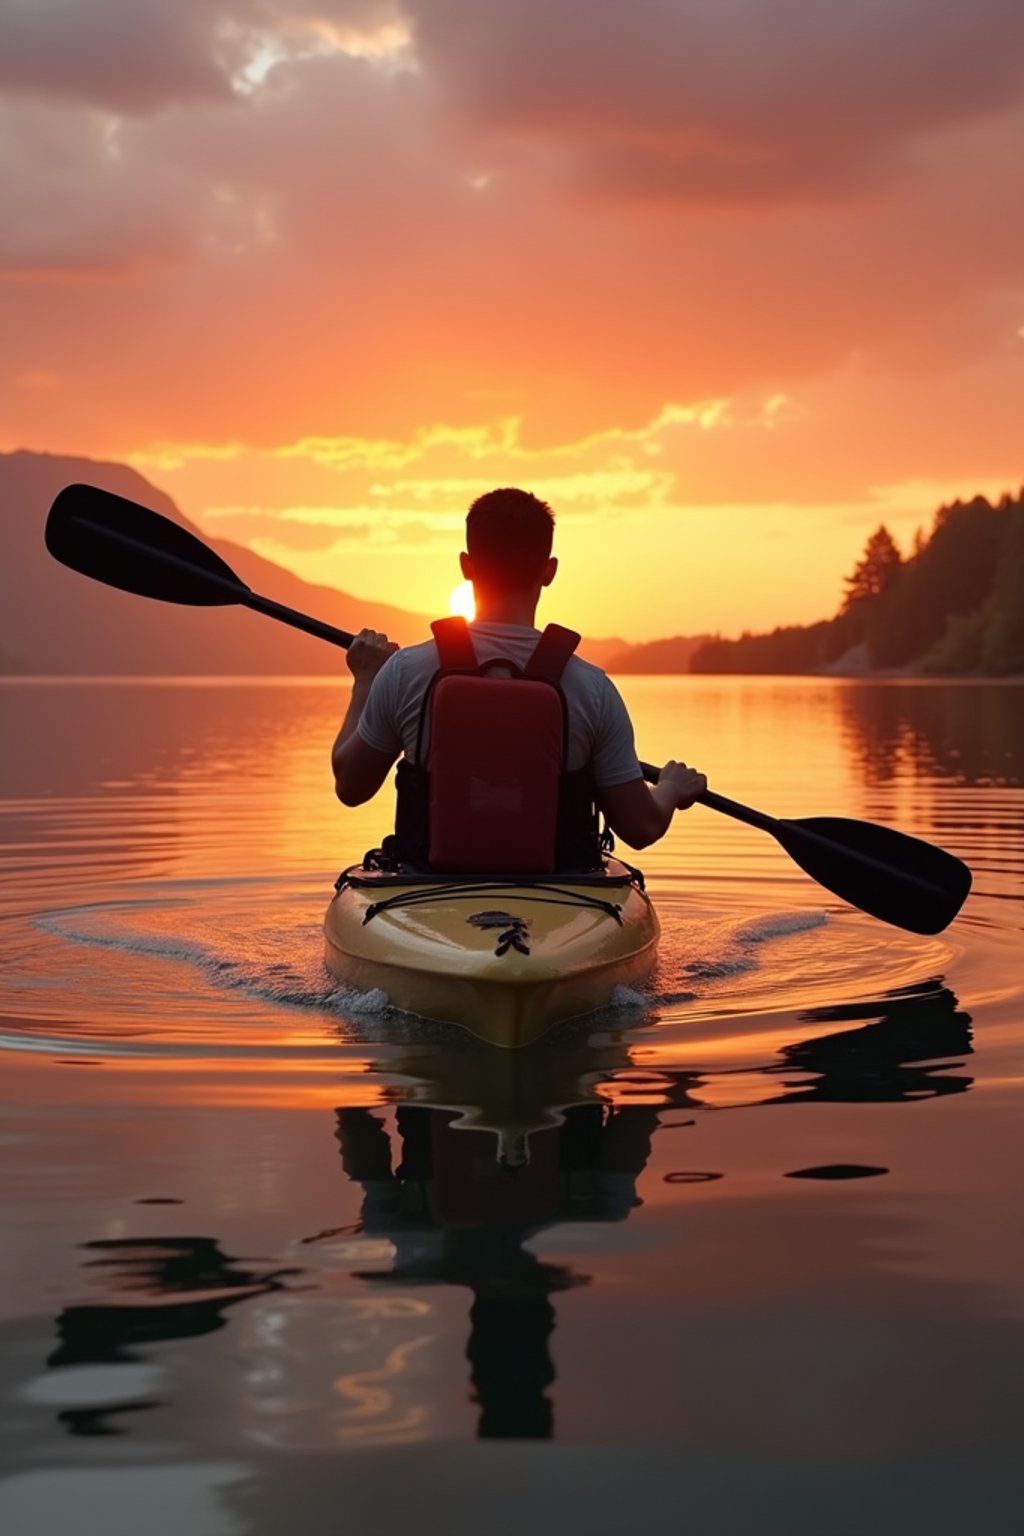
(727, 282)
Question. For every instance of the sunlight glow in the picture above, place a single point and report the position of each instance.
(461, 600)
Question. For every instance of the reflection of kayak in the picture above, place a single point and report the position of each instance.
(507, 959)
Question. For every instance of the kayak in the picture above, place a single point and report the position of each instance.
(506, 959)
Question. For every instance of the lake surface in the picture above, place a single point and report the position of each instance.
(262, 1270)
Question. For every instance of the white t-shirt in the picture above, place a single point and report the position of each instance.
(600, 730)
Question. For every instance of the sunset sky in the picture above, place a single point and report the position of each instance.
(728, 281)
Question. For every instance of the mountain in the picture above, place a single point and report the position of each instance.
(55, 621)
(602, 652)
(655, 656)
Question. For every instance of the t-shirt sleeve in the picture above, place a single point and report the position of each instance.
(378, 724)
(614, 759)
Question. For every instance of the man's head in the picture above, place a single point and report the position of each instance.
(508, 543)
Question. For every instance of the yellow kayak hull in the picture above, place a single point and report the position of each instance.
(506, 960)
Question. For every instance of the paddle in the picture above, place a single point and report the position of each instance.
(900, 879)
(116, 541)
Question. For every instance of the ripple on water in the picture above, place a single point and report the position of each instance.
(235, 969)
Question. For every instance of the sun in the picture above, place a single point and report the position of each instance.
(461, 600)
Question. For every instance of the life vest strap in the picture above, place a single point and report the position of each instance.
(454, 644)
(551, 656)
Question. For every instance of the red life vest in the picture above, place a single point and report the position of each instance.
(496, 755)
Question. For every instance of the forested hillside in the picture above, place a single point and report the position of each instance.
(954, 604)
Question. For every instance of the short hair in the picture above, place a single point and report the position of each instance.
(508, 537)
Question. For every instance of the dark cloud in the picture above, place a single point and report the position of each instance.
(712, 101)
(137, 56)
(86, 193)
(76, 202)
(122, 55)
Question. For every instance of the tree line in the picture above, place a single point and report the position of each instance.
(953, 604)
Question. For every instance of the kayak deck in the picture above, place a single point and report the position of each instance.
(504, 958)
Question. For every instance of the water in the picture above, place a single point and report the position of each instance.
(262, 1269)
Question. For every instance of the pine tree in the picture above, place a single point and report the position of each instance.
(875, 571)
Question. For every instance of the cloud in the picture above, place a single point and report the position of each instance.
(78, 201)
(135, 135)
(116, 54)
(312, 493)
(716, 102)
(722, 101)
(293, 529)
(139, 56)
(324, 230)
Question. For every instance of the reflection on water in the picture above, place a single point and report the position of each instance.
(454, 1210)
(971, 733)
(457, 1215)
(277, 1235)
(185, 1286)
(898, 1057)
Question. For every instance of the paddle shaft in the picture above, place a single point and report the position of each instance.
(235, 591)
(339, 637)
(721, 803)
(774, 826)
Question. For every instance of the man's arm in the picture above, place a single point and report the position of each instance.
(640, 813)
(359, 769)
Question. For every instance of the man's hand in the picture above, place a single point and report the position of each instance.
(640, 814)
(368, 653)
(685, 783)
(359, 769)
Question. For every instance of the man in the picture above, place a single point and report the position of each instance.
(508, 560)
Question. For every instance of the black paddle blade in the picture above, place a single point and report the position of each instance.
(897, 878)
(127, 546)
